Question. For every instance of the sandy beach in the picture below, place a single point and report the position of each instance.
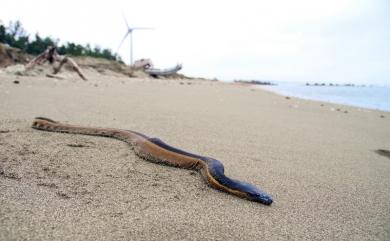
(317, 160)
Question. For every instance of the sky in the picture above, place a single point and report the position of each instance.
(344, 41)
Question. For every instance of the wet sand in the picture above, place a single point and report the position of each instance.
(319, 161)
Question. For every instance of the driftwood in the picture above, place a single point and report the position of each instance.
(164, 72)
(55, 76)
(51, 55)
(147, 66)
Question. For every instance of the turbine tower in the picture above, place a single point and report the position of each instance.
(130, 34)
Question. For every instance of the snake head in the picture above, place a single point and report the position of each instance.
(240, 188)
(253, 193)
(260, 197)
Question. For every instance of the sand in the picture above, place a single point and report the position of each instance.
(317, 160)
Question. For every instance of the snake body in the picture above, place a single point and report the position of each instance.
(154, 149)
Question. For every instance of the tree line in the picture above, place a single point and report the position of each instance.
(16, 36)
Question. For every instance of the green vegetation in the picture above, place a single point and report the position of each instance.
(15, 36)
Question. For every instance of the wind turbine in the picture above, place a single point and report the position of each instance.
(130, 34)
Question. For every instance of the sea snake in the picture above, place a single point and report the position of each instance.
(155, 150)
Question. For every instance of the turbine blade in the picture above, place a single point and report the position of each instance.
(141, 28)
(127, 34)
(124, 18)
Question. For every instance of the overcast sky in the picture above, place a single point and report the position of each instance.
(300, 40)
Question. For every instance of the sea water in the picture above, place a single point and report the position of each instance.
(367, 96)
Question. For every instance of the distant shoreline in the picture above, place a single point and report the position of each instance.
(332, 97)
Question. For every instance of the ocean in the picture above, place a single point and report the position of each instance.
(369, 96)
